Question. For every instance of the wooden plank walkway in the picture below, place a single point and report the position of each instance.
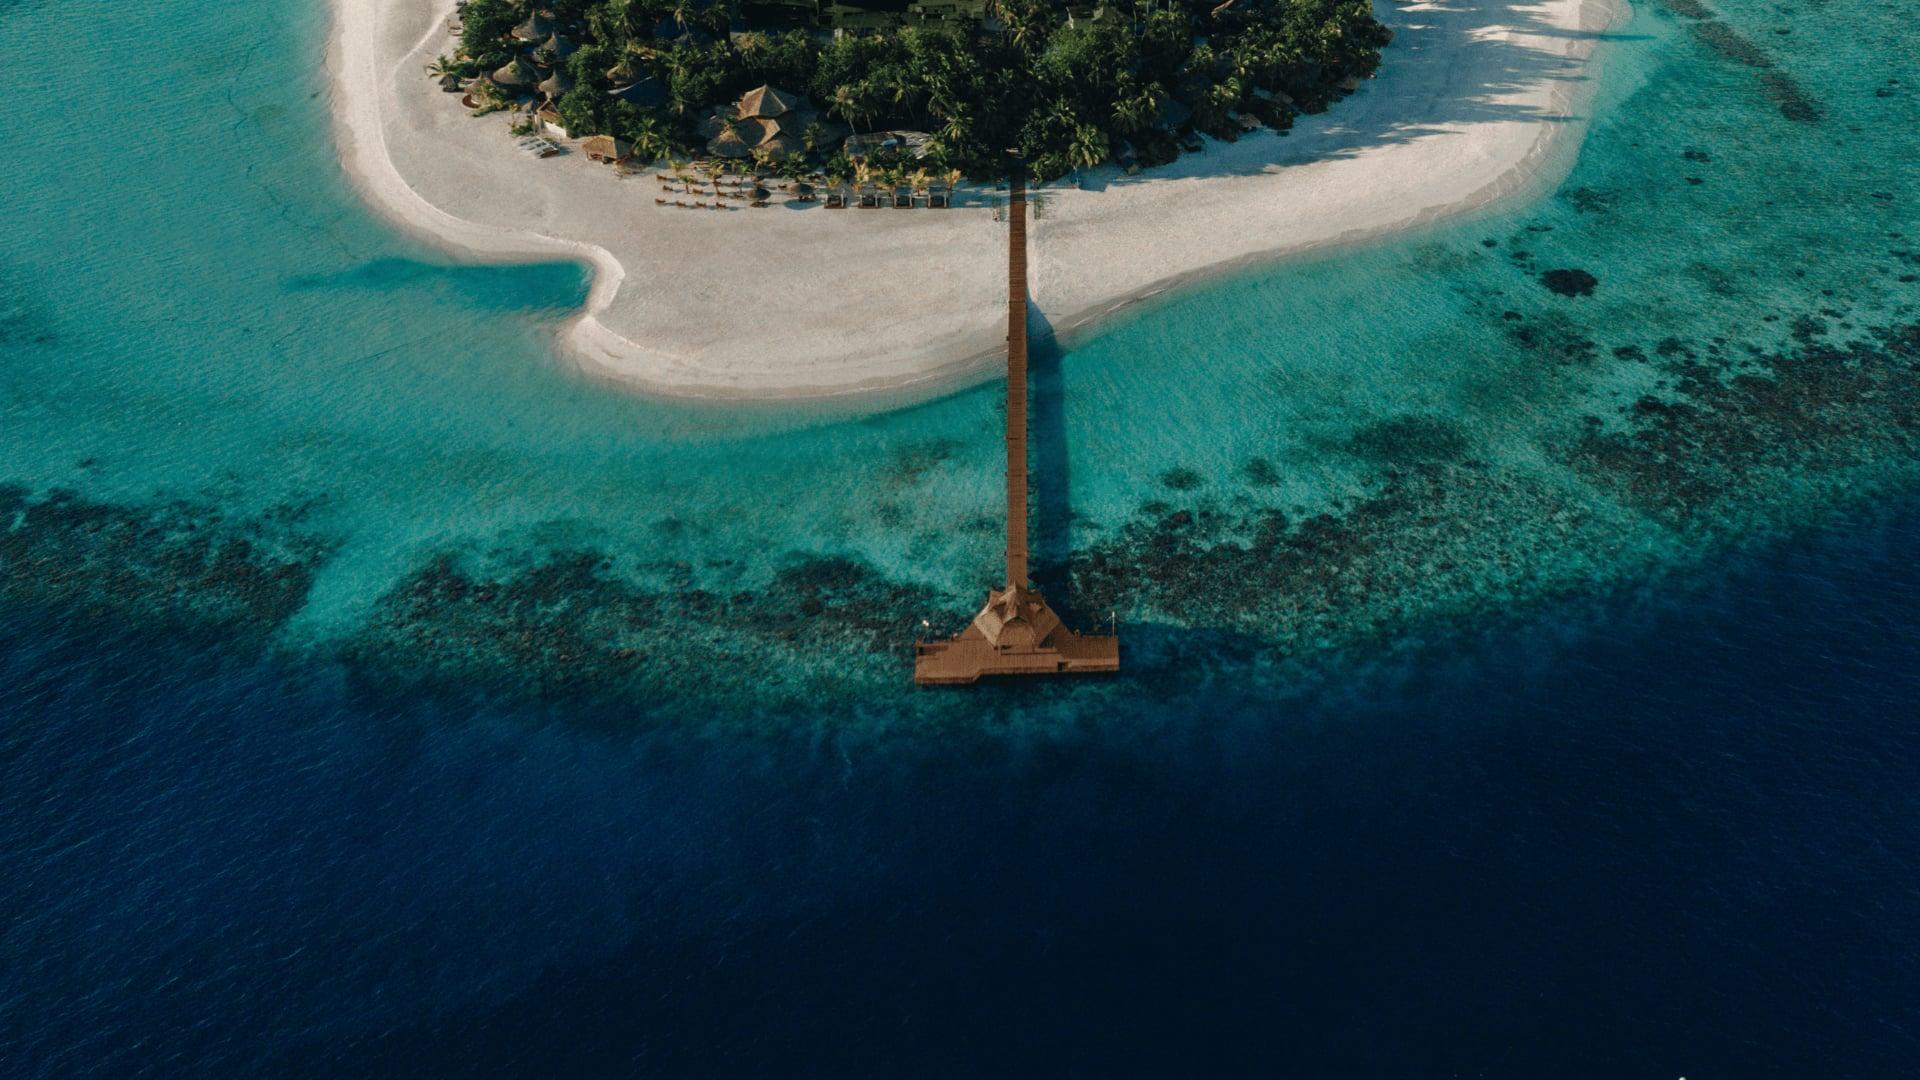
(1016, 633)
(1017, 381)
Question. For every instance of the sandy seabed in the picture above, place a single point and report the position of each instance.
(1474, 103)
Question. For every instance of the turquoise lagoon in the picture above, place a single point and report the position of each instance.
(230, 396)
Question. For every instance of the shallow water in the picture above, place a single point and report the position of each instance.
(1505, 695)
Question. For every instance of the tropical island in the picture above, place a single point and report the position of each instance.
(1474, 104)
(1069, 84)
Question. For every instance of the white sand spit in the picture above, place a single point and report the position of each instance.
(1474, 103)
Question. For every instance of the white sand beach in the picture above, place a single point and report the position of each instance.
(1474, 102)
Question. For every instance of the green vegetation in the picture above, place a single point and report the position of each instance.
(1067, 85)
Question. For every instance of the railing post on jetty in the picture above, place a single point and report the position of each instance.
(1017, 377)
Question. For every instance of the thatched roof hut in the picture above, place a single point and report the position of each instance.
(735, 142)
(782, 145)
(767, 102)
(631, 68)
(556, 48)
(538, 27)
(517, 72)
(710, 126)
(557, 83)
(605, 148)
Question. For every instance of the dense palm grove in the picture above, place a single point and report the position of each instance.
(1066, 86)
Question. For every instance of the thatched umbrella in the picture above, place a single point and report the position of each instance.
(768, 101)
(517, 72)
(538, 27)
(557, 83)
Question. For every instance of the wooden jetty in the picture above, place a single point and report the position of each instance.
(1016, 633)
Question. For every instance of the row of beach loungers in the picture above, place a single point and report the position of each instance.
(537, 147)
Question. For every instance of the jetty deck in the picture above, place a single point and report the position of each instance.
(1016, 633)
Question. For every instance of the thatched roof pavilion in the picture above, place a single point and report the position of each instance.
(557, 83)
(538, 27)
(517, 72)
(735, 142)
(768, 102)
(782, 145)
(605, 148)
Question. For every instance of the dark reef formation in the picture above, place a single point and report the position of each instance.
(1730, 44)
(179, 565)
(1729, 426)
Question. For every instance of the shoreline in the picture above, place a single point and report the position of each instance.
(777, 305)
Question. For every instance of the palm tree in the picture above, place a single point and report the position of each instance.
(649, 138)
(1089, 146)
(852, 104)
(955, 126)
(1136, 112)
(442, 66)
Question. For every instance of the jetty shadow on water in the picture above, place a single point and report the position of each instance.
(1051, 467)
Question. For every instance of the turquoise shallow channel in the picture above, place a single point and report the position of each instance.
(233, 400)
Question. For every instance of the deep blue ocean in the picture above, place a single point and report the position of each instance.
(1687, 845)
(1519, 683)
